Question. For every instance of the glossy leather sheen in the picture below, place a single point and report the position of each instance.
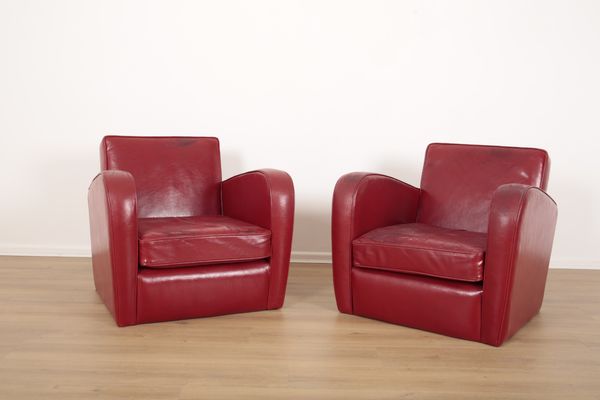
(476, 203)
(210, 239)
(458, 181)
(165, 194)
(423, 250)
(174, 176)
(167, 294)
(364, 201)
(266, 198)
(520, 236)
(113, 223)
(436, 305)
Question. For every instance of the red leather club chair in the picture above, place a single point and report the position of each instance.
(466, 255)
(170, 240)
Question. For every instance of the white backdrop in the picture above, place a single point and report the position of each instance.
(317, 88)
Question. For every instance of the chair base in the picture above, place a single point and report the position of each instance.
(203, 291)
(450, 308)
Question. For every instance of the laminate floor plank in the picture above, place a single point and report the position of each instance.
(57, 341)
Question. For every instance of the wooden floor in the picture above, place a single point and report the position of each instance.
(57, 341)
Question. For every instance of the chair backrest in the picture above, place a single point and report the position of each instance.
(174, 176)
(458, 181)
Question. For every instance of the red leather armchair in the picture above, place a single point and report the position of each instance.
(466, 255)
(170, 240)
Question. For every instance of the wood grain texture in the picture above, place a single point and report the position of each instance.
(57, 341)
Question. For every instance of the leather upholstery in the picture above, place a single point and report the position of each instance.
(458, 181)
(520, 236)
(180, 293)
(436, 305)
(266, 198)
(210, 239)
(465, 255)
(361, 202)
(113, 208)
(422, 250)
(174, 176)
(206, 247)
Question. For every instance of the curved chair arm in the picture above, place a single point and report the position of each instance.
(266, 198)
(364, 201)
(520, 234)
(114, 234)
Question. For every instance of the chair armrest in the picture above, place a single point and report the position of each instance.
(364, 201)
(266, 198)
(520, 234)
(114, 237)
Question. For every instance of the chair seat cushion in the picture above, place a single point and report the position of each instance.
(423, 250)
(213, 239)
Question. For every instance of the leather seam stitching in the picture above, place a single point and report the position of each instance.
(270, 191)
(352, 220)
(112, 249)
(544, 171)
(200, 263)
(420, 273)
(177, 238)
(416, 248)
(509, 276)
(106, 153)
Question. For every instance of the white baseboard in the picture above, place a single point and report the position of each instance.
(570, 263)
(317, 257)
(320, 257)
(45, 251)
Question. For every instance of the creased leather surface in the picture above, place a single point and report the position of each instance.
(179, 241)
(174, 176)
(423, 250)
(458, 181)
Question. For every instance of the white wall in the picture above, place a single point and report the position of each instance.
(317, 88)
